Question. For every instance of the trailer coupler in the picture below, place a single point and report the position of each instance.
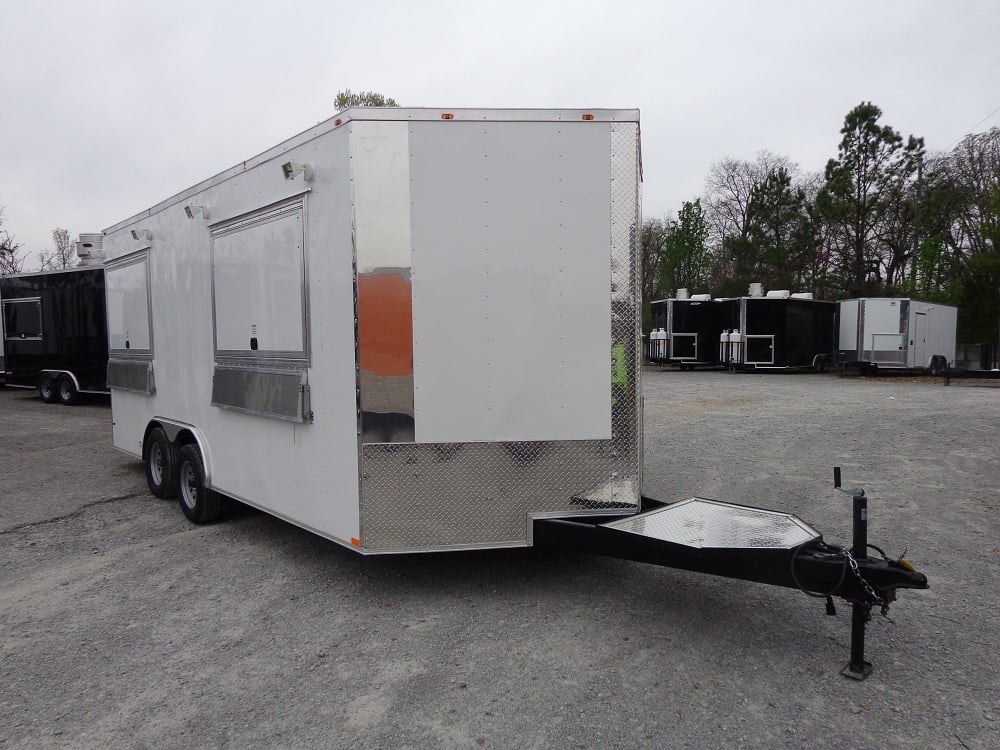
(751, 544)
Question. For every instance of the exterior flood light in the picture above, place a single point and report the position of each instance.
(292, 168)
(142, 234)
(192, 211)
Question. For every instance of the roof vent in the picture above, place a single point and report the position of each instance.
(89, 248)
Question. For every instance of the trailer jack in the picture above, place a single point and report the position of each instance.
(751, 544)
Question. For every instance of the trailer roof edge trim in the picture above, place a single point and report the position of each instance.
(53, 271)
(388, 114)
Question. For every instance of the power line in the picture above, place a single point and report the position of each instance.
(969, 131)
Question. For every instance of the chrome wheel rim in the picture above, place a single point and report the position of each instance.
(156, 463)
(189, 486)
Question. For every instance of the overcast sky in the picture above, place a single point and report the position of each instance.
(110, 106)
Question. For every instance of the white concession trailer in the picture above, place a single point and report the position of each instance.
(403, 329)
(896, 333)
(418, 329)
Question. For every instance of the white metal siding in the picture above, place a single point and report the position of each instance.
(307, 473)
(511, 281)
(848, 339)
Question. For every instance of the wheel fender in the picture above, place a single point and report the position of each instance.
(173, 428)
(55, 376)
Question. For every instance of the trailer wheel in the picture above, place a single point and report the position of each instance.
(47, 388)
(936, 367)
(161, 464)
(200, 504)
(820, 365)
(68, 394)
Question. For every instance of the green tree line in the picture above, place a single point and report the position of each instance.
(885, 219)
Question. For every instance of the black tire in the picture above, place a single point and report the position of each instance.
(820, 365)
(68, 394)
(199, 504)
(936, 368)
(47, 389)
(161, 464)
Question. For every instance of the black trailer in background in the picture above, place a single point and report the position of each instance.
(55, 332)
(696, 327)
(787, 333)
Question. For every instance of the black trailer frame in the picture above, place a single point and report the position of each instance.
(55, 332)
(750, 544)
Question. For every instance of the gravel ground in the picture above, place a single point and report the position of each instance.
(122, 625)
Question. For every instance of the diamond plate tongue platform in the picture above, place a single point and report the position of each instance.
(709, 524)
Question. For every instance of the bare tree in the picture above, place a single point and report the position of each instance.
(11, 257)
(62, 254)
(729, 187)
(653, 243)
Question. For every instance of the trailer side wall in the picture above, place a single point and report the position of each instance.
(55, 321)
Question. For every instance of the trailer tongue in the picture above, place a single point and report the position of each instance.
(751, 544)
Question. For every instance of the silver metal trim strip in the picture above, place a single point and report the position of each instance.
(276, 394)
(135, 376)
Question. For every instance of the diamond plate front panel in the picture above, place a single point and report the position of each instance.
(424, 496)
(704, 523)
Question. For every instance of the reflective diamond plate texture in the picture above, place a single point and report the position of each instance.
(626, 294)
(420, 496)
(709, 524)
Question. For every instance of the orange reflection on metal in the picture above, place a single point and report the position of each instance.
(385, 324)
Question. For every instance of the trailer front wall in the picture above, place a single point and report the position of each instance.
(518, 245)
(694, 336)
(696, 326)
(885, 323)
(788, 332)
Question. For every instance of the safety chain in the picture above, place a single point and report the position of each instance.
(867, 586)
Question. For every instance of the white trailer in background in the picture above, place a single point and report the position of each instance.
(896, 333)
(395, 329)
